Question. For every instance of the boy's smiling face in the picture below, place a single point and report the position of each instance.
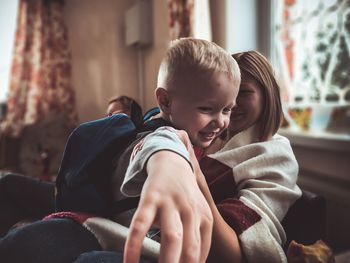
(202, 106)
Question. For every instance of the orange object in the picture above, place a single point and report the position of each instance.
(319, 252)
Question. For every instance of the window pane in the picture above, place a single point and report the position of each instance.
(311, 47)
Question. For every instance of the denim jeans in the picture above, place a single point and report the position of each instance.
(50, 241)
(60, 240)
(103, 257)
(23, 197)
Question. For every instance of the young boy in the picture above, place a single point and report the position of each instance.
(197, 86)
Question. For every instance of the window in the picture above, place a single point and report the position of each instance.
(8, 15)
(311, 54)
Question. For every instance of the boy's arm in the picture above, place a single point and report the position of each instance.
(171, 200)
(164, 138)
(225, 243)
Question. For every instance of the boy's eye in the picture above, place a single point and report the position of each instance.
(205, 109)
(227, 110)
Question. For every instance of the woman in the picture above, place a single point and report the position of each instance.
(258, 163)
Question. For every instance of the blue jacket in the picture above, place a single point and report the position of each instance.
(83, 180)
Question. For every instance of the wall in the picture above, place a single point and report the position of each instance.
(154, 54)
(102, 65)
(218, 21)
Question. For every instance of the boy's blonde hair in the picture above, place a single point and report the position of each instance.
(190, 57)
(255, 65)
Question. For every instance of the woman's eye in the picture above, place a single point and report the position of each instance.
(245, 91)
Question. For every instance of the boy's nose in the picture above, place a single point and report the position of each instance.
(220, 121)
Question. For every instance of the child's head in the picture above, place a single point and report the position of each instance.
(127, 105)
(198, 82)
(259, 99)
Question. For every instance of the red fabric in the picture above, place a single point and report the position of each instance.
(198, 152)
(78, 217)
(222, 187)
(219, 178)
(237, 215)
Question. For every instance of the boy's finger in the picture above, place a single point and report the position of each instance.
(171, 236)
(191, 241)
(206, 235)
(140, 224)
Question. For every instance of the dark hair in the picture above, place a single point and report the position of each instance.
(130, 105)
(257, 66)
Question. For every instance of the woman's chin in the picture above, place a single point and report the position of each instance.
(236, 129)
(237, 117)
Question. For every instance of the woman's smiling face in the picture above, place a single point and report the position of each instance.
(249, 105)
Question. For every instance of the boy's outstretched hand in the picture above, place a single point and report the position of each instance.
(172, 201)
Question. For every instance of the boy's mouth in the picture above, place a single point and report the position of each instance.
(208, 136)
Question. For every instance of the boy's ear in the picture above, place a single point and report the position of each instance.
(164, 100)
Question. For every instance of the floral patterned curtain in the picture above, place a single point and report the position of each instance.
(180, 18)
(40, 84)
